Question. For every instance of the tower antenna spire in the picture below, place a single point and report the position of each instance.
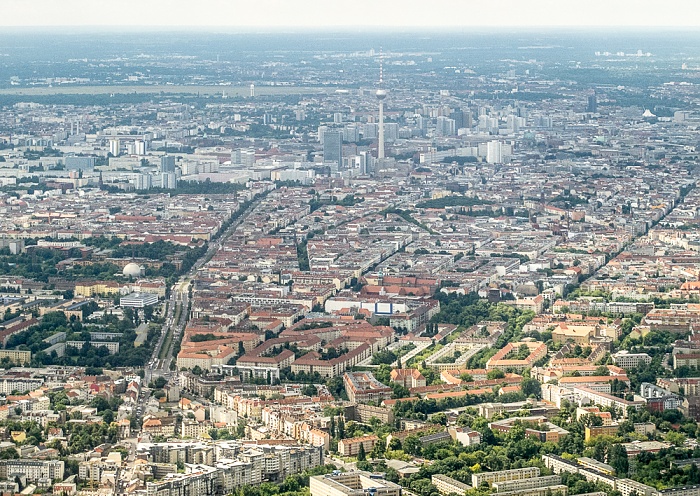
(381, 67)
(381, 95)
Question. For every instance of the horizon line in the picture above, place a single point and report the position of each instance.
(434, 29)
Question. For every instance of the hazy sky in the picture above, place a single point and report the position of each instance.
(349, 13)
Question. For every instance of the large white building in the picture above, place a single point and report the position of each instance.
(505, 475)
(627, 360)
(232, 463)
(114, 147)
(530, 483)
(112, 346)
(587, 395)
(21, 384)
(138, 300)
(197, 479)
(352, 484)
(33, 470)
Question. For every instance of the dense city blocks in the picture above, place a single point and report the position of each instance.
(375, 264)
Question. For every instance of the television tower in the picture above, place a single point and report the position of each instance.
(381, 95)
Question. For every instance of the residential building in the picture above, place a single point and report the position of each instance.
(588, 395)
(628, 487)
(504, 360)
(351, 447)
(593, 464)
(448, 485)
(601, 430)
(464, 435)
(659, 399)
(505, 475)
(197, 479)
(535, 426)
(408, 378)
(312, 362)
(33, 470)
(362, 387)
(686, 359)
(606, 417)
(558, 490)
(530, 483)
(558, 465)
(19, 357)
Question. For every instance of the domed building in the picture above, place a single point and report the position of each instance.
(133, 270)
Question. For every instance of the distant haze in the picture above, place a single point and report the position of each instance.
(359, 13)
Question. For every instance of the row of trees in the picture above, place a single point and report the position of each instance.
(293, 485)
(515, 449)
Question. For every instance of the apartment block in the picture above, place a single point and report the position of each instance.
(351, 447)
(593, 464)
(503, 359)
(20, 357)
(628, 487)
(363, 413)
(33, 470)
(604, 399)
(558, 490)
(505, 475)
(531, 483)
(535, 426)
(448, 485)
(601, 430)
(197, 479)
(558, 465)
(362, 387)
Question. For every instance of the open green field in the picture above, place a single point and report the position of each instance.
(163, 89)
(638, 335)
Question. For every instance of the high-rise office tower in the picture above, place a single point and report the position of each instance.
(391, 132)
(114, 146)
(494, 152)
(333, 147)
(592, 104)
(351, 134)
(445, 126)
(513, 123)
(245, 157)
(168, 180)
(140, 147)
(369, 131)
(143, 181)
(321, 131)
(362, 162)
(167, 163)
(458, 116)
